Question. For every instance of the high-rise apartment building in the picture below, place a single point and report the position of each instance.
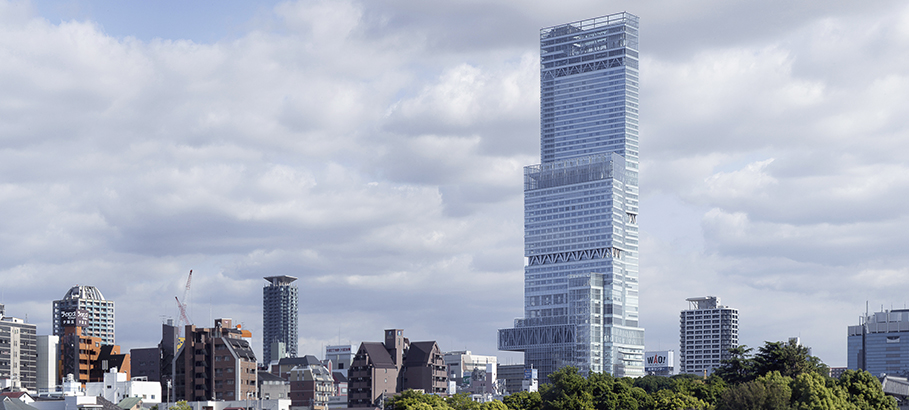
(581, 205)
(706, 332)
(18, 353)
(214, 364)
(880, 344)
(279, 317)
(98, 313)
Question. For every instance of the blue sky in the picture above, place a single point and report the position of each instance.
(374, 149)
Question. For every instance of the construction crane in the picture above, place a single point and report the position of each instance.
(184, 319)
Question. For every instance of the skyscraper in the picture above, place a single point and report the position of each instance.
(707, 330)
(88, 304)
(279, 317)
(581, 205)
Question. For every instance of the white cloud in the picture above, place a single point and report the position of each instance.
(373, 147)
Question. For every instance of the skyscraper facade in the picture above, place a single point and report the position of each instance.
(581, 205)
(879, 344)
(95, 313)
(279, 317)
(707, 330)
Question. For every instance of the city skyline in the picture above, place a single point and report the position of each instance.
(377, 148)
(581, 288)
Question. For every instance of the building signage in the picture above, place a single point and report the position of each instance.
(337, 349)
(530, 374)
(657, 361)
(75, 317)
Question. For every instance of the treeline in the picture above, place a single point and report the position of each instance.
(781, 376)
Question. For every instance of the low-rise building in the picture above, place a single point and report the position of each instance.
(513, 378)
(311, 384)
(472, 373)
(380, 370)
(116, 386)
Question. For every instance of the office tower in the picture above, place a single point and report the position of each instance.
(581, 205)
(279, 317)
(18, 353)
(214, 364)
(48, 373)
(98, 320)
(707, 330)
(879, 344)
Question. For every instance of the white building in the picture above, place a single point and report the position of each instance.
(116, 387)
(707, 330)
(471, 373)
(48, 363)
(341, 357)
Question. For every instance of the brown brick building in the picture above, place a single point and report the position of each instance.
(87, 358)
(215, 364)
(380, 370)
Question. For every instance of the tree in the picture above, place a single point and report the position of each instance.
(461, 401)
(493, 405)
(768, 392)
(708, 391)
(567, 390)
(652, 384)
(672, 400)
(788, 358)
(810, 391)
(739, 367)
(523, 400)
(865, 391)
(415, 400)
(181, 405)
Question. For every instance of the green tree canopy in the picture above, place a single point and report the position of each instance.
(788, 358)
(461, 401)
(415, 400)
(865, 392)
(523, 400)
(768, 392)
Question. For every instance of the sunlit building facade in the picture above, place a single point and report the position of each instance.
(581, 205)
(89, 304)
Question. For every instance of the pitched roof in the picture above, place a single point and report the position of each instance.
(14, 404)
(420, 353)
(307, 360)
(378, 356)
(129, 403)
(268, 377)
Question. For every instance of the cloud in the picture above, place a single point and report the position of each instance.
(375, 151)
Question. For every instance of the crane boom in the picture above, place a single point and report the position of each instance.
(182, 311)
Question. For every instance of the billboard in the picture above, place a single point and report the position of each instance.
(659, 361)
(74, 317)
(337, 349)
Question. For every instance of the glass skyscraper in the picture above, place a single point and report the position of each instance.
(581, 205)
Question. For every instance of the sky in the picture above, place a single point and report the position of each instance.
(375, 150)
